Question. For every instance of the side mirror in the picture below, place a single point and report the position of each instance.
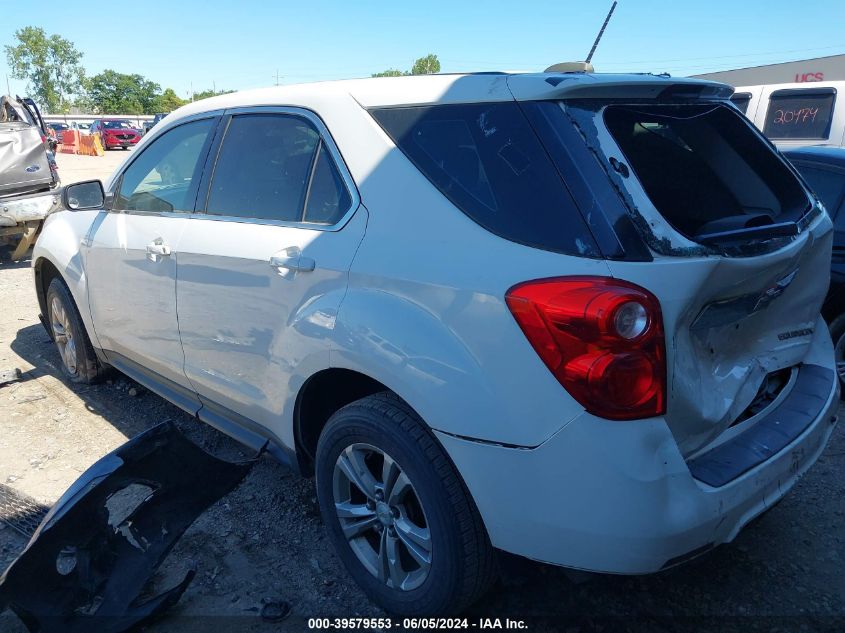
(82, 196)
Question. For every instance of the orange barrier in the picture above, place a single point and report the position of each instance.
(90, 146)
(70, 142)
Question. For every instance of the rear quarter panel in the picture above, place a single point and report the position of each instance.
(425, 313)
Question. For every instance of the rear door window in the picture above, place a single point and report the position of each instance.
(489, 163)
(276, 167)
(804, 114)
(705, 169)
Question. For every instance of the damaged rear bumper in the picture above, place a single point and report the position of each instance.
(618, 497)
(29, 208)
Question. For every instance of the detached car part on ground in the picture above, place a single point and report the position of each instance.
(29, 182)
(567, 315)
(99, 546)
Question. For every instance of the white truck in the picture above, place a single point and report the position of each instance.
(29, 181)
(796, 114)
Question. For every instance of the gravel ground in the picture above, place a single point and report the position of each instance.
(265, 541)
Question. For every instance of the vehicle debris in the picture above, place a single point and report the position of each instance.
(29, 181)
(89, 561)
(9, 375)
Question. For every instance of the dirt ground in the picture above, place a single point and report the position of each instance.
(265, 541)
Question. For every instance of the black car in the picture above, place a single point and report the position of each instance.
(824, 170)
(148, 125)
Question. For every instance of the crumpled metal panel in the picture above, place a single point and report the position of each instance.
(84, 569)
(23, 159)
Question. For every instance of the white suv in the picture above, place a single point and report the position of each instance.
(570, 316)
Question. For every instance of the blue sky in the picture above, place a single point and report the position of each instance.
(242, 44)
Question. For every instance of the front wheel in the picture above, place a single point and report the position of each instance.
(79, 361)
(397, 512)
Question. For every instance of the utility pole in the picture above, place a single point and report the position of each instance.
(8, 90)
(192, 92)
(213, 86)
(601, 32)
(277, 76)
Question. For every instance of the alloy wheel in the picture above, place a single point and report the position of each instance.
(381, 516)
(63, 335)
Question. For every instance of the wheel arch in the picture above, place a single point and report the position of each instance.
(320, 396)
(44, 271)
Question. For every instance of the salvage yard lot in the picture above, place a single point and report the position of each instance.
(265, 541)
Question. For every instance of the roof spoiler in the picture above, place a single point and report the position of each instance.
(581, 85)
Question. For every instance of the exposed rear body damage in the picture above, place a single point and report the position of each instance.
(28, 176)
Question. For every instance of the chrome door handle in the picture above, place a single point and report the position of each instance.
(290, 261)
(157, 249)
(293, 263)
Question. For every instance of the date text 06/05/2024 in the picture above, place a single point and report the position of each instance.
(436, 624)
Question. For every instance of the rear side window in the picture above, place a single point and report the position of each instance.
(741, 101)
(705, 169)
(275, 167)
(800, 114)
(488, 162)
(327, 198)
(828, 185)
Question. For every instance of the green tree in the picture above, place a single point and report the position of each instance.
(423, 66)
(392, 72)
(169, 101)
(205, 94)
(51, 66)
(111, 92)
(427, 65)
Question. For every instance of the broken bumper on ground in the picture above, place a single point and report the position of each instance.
(84, 570)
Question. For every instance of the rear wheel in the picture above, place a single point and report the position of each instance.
(397, 512)
(79, 361)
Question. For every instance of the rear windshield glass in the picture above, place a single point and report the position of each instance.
(800, 114)
(488, 162)
(704, 169)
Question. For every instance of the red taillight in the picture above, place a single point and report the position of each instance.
(602, 338)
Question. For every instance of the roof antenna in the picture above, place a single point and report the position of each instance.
(601, 32)
(586, 66)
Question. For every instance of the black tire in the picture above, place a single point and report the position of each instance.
(462, 562)
(837, 335)
(79, 364)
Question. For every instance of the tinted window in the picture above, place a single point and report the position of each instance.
(328, 198)
(264, 167)
(487, 160)
(741, 101)
(164, 177)
(827, 185)
(800, 114)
